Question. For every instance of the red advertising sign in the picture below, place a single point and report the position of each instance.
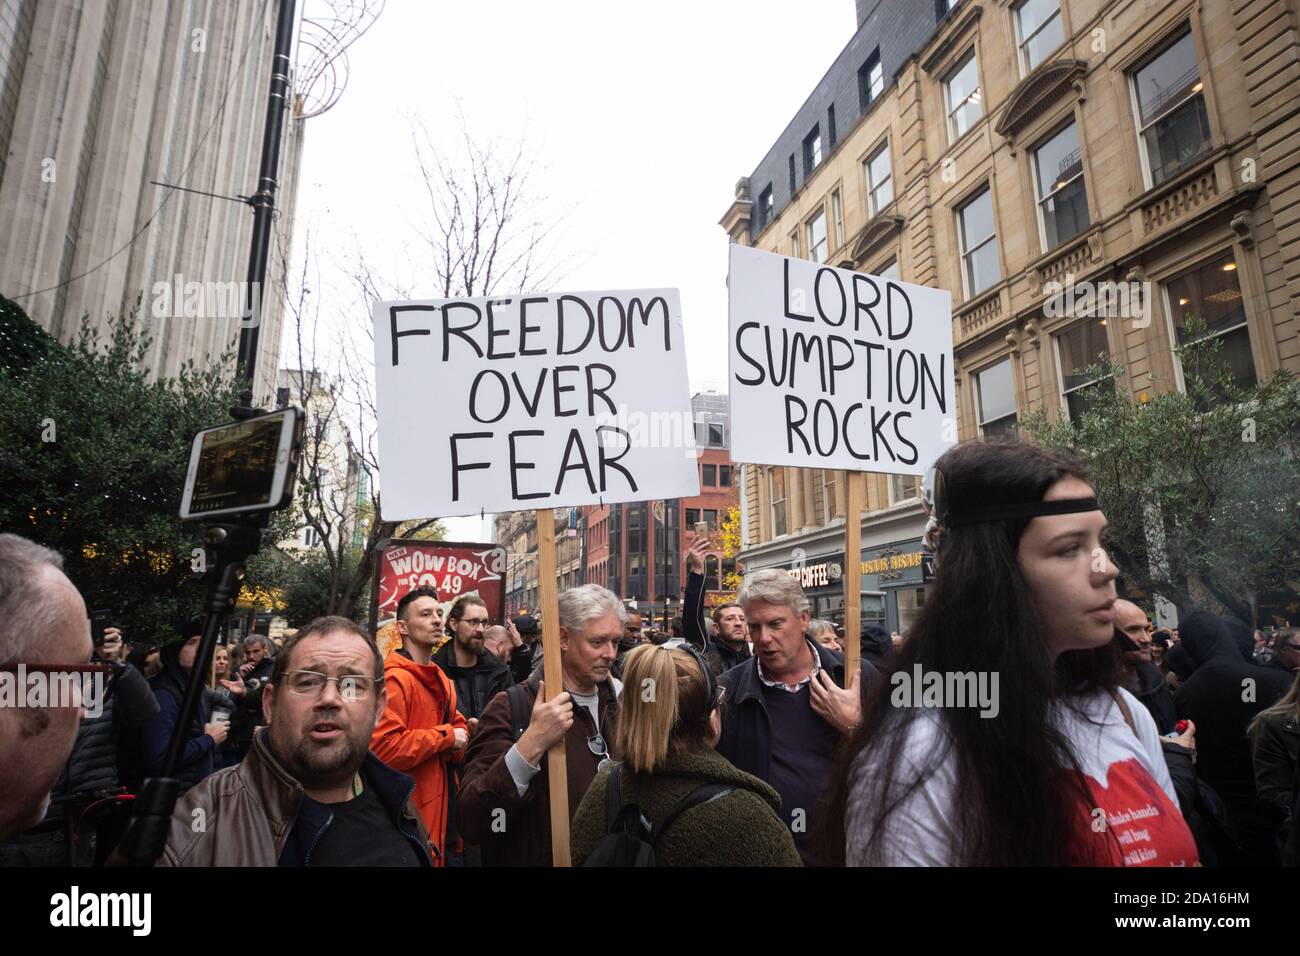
(451, 568)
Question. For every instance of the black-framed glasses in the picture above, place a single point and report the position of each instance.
(312, 684)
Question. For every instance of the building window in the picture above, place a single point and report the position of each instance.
(711, 517)
(812, 151)
(837, 211)
(1062, 195)
(717, 438)
(1210, 296)
(794, 244)
(830, 499)
(724, 476)
(902, 488)
(871, 80)
(1174, 129)
(766, 207)
(890, 271)
(961, 93)
(1078, 347)
(710, 479)
(817, 237)
(794, 185)
(776, 494)
(996, 399)
(692, 516)
(830, 125)
(979, 248)
(880, 180)
(1038, 31)
(311, 538)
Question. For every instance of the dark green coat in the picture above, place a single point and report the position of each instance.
(739, 829)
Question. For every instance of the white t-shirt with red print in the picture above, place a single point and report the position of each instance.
(1132, 818)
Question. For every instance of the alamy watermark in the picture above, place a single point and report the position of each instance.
(943, 689)
(1130, 300)
(39, 687)
(191, 299)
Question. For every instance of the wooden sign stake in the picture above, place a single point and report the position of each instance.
(553, 676)
(852, 577)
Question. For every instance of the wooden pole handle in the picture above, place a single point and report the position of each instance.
(553, 675)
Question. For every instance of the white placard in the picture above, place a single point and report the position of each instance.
(532, 401)
(831, 368)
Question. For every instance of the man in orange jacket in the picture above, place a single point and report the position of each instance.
(421, 732)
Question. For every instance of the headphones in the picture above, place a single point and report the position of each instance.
(710, 684)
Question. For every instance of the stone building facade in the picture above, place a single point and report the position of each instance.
(1086, 177)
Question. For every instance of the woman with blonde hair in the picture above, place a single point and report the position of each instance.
(674, 791)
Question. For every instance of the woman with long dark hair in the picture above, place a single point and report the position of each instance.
(1051, 762)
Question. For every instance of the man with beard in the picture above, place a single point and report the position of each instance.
(479, 674)
(309, 793)
(730, 647)
(631, 638)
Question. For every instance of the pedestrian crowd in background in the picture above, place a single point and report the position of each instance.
(734, 737)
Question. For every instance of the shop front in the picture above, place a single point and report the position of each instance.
(894, 577)
(822, 579)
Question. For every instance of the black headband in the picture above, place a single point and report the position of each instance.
(934, 501)
(1028, 509)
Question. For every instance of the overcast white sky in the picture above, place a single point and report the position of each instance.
(643, 116)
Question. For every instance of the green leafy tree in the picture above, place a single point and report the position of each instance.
(1201, 487)
(92, 462)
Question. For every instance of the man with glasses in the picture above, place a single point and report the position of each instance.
(421, 732)
(309, 793)
(479, 674)
(505, 797)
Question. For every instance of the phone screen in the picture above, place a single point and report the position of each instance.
(237, 465)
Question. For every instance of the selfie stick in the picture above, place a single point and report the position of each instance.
(233, 542)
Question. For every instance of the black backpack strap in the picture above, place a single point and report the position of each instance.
(518, 710)
(710, 791)
(614, 797)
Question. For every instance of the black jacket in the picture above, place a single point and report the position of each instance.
(721, 658)
(169, 689)
(474, 686)
(248, 713)
(746, 728)
(1222, 695)
(1212, 698)
(92, 763)
(1150, 687)
(522, 662)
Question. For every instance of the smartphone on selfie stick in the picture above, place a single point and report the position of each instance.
(239, 473)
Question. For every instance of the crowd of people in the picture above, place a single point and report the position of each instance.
(734, 737)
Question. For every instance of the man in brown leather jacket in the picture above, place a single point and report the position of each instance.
(504, 802)
(310, 792)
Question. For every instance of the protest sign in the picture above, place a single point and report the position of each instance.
(832, 368)
(529, 402)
